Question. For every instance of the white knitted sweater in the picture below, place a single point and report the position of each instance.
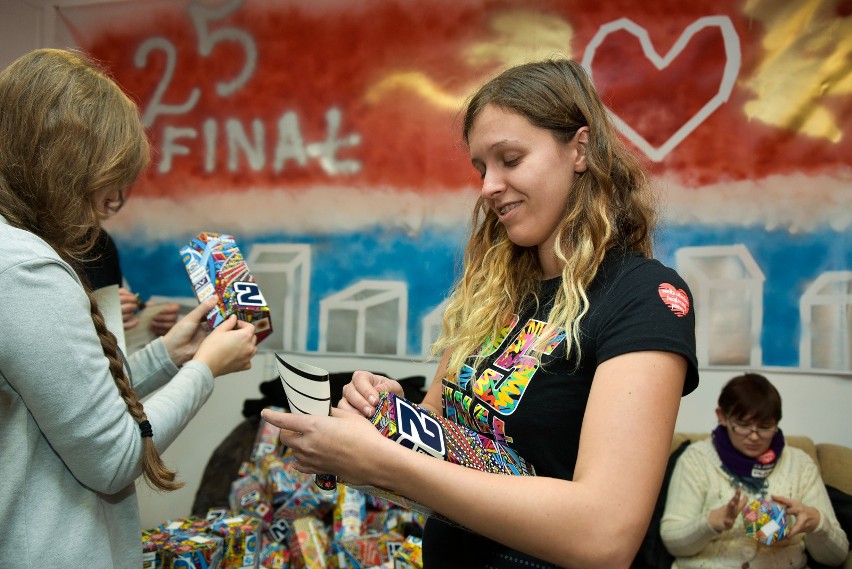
(699, 484)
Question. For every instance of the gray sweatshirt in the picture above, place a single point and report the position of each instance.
(70, 450)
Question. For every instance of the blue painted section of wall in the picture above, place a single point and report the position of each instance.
(790, 263)
(428, 262)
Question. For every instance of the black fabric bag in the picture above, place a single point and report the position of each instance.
(841, 503)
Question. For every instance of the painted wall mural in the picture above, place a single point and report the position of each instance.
(324, 135)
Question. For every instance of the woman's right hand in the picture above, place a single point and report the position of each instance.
(228, 348)
(362, 393)
(344, 444)
(723, 517)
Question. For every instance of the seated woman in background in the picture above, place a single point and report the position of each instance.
(744, 460)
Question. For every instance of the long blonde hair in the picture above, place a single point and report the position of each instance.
(610, 206)
(69, 132)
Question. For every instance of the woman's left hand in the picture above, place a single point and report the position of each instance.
(345, 444)
(807, 518)
(183, 339)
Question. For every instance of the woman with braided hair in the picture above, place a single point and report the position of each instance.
(74, 433)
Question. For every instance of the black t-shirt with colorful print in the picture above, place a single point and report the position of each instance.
(534, 401)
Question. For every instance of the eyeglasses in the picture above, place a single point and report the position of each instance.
(746, 430)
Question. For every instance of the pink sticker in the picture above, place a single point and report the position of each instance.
(675, 298)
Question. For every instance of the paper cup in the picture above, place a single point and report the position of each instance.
(307, 387)
(308, 391)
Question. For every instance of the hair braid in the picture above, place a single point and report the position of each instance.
(155, 472)
(68, 134)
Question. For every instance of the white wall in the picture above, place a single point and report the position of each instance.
(22, 27)
(817, 405)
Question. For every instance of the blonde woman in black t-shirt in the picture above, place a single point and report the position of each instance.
(563, 339)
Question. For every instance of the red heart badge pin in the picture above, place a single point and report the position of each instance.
(675, 298)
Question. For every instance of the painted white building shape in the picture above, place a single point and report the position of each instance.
(431, 327)
(727, 290)
(369, 317)
(283, 273)
(826, 315)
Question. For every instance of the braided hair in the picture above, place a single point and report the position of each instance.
(70, 134)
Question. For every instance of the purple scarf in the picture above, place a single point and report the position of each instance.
(751, 472)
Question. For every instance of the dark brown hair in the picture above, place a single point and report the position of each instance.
(751, 397)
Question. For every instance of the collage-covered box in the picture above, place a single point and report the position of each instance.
(422, 431)
(215, 265)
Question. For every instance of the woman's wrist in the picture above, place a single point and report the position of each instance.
(713, 522)
(178, 354)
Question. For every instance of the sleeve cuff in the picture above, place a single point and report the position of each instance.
(158, 347)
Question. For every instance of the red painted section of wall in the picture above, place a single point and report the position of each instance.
(311, 60)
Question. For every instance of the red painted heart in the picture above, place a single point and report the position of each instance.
(675, 298)
(668, 96)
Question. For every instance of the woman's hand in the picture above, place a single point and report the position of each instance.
(228, 348)
(362, 393)
(723, 518)
(129, 307)
(807, 518)
(344, 444)
(183, 339)
(165, 318)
